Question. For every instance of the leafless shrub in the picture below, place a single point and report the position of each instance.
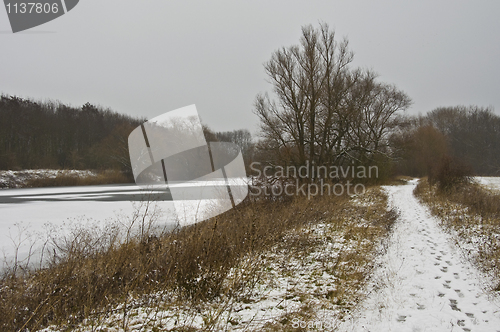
(451, 173)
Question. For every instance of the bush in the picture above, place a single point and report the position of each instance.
(450, 173)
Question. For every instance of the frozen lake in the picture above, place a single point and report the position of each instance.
(29, 216)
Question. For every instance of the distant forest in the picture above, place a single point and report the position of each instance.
(466, 136)
(50, 134)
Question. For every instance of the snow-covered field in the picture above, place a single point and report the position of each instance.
(490, 182)
(423, 284)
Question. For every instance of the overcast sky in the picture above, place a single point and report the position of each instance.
(148, 57)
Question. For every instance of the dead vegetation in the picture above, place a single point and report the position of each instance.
(59, 178)
(473, 214)
(67, 179)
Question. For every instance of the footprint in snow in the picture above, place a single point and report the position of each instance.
(453, 305)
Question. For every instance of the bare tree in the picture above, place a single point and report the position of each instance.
(324, 112)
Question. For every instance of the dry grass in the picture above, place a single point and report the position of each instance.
(473, 213)
(333, 261)
(198, 276)
(63, 179)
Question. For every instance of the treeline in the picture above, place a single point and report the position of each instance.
(465, 138)
(49, 134)
(35, 135)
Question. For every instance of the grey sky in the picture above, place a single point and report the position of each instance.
(145, 58)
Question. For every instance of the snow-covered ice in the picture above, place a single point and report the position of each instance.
(29, 215)
(422, 283)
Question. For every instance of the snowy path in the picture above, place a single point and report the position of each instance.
(422, 284)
